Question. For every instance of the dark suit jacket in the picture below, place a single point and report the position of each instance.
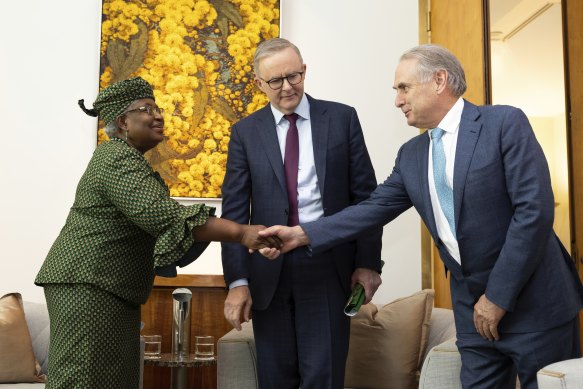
(504, 211)
(254, 190)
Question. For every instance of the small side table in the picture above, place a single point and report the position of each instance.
(179, 367)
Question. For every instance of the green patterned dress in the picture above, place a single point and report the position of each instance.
(100, 269)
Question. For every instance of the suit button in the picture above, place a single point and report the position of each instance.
(286, 212)
(466, 274)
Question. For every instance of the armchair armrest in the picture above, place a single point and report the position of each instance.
(564, 374)
(236, 359)
(441, 368)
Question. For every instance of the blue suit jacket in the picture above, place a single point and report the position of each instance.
(254, 190)
(504, 211)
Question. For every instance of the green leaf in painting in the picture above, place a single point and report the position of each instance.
(228, 10)
(223, 25)
(125, 58)
(221, 106)
(201, 98)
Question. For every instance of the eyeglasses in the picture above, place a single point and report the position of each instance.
(292, 79)
(148, 109)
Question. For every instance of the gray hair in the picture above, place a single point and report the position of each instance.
(431, 59)
(271, 46)
(111, 128)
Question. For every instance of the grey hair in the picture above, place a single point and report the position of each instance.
(112, 127)
(432, 58)
(272, 46)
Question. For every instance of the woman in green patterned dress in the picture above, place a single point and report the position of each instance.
(122, 226)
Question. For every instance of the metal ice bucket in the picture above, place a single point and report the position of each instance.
(181, 322)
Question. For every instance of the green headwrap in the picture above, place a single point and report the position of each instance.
(114, 99)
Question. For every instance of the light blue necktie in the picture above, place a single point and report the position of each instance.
(444, 192)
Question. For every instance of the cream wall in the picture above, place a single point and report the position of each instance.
(543, 101)
(50, 59)
(551, 134)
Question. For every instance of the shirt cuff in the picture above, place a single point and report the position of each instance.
(241, 282)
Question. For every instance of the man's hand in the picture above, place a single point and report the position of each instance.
(487, 315)
(370, 280)
(238, 305)
(291, 237)
(251, 239)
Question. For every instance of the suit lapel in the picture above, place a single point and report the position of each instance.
(268, 136)
(469, 133)
(320, 121)
(423, 161)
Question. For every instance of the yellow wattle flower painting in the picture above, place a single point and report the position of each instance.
(198, 56)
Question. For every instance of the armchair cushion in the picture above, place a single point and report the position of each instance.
(17, 359)
(387, 344)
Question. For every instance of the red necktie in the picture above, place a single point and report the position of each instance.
(290, 166)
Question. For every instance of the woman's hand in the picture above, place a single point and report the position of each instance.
(223, 230)
(251, 239)
(289, 237)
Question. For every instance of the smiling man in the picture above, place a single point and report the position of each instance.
(294, 161)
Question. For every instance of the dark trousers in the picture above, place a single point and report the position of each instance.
(495, 364)
(302, 337)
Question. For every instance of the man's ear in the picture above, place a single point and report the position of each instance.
(440, 79)
(259, 83)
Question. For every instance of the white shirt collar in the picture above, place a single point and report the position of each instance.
(451, 121)
(303, 110)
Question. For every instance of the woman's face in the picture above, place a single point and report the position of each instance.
(144, 124)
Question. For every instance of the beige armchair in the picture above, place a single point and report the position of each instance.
(562, 375)
(236, 354)
(440, 368)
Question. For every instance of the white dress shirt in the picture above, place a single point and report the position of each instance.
(309, 197)
(450, 125)
(310, 206)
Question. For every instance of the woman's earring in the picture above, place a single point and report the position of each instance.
(126, 135)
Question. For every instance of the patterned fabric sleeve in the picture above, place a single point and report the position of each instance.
(141, 195)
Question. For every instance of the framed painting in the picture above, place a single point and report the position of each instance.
(198, 56)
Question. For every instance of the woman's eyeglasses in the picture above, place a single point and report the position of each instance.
(148, 109)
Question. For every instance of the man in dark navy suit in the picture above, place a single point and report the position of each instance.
(480, 182)
(294, 161)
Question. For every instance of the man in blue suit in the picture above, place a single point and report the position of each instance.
(480, 182)
(296, 160)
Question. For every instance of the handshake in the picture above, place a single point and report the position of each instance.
(273, 241)
(276, 240)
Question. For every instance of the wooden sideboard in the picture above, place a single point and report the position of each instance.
(208, 297)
